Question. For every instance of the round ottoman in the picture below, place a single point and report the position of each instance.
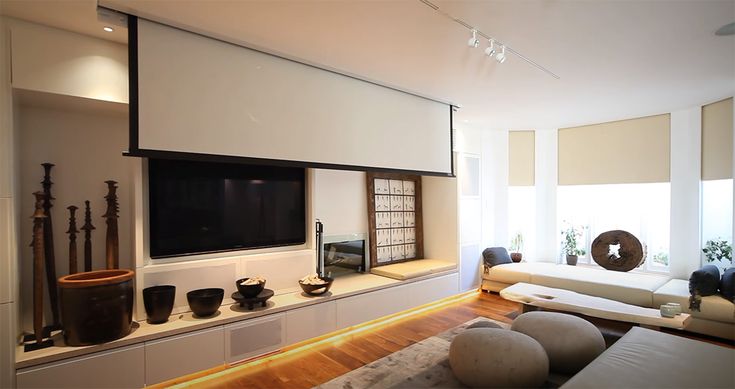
(570, 342)
(498, 358)
(484, 324)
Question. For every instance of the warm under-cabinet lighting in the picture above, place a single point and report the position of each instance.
(108, 28)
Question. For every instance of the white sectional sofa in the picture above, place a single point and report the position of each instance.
(716, 318)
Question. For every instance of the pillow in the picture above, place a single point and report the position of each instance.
(495, 256)
(703, 282)
(727, 284)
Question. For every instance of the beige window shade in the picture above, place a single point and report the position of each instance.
(717, 128)
(622, 152)
(522, 150)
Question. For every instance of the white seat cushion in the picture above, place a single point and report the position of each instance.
(713, 307)
(511, 273)
(413, 269)
(627, 287)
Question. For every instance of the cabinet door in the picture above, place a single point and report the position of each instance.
(424, 292)
(177, 356)
(309, 322)
(369, 306)
(255, 337)
(118, 368)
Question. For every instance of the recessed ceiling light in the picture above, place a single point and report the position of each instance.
(108, 29)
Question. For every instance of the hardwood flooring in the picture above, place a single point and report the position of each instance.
(323, 362)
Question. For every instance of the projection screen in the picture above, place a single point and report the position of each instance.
(200, 95)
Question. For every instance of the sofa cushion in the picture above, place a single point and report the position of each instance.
(727, 284)
(492, 256)
(705, 281)
(512, 273)
(412, 269)
(631, 288)
(650, 359)
(712, 308)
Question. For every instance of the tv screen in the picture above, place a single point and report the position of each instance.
(205, 207)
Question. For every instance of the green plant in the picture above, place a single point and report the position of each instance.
(661, 258)
(516, 244)
(716, 249)
(569, 242)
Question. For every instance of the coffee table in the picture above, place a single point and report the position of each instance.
(566, 300)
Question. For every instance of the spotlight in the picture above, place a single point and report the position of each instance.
(108, 29)
(500, 57)
(473, 42)
(490, 51)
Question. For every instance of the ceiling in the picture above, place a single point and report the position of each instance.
(616, 59)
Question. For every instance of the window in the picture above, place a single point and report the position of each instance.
(716, 216)
(641, 209)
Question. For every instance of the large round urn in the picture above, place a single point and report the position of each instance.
(96, 306)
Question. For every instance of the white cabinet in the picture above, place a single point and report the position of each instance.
(312, 321)
(184, 354)
(424, 292)
(119, 368)
(365, 307)
(254, 337)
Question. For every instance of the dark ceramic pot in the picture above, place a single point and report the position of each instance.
(516, 257)
(572, 260)
(159, 302)
(205, 302)
(249, 291)
(316, 290)
(96, 306)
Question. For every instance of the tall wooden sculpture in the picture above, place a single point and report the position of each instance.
(48, 244)
(87, 228)
(72, 231)
(112, 245)
(38, 263)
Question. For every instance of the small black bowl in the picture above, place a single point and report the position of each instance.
(316, 290)
(249, 291)
(159, 302)
(205, 302)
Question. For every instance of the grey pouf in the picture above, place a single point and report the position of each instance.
(498, 358)
(484, 324)
(570, 342)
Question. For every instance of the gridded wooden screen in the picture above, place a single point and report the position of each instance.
(394, 218)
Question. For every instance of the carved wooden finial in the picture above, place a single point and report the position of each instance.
(112, 244)
(87, 228)
(72, 231)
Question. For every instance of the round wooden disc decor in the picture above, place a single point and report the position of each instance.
(617, 250)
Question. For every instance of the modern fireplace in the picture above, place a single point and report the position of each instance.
(345, 254)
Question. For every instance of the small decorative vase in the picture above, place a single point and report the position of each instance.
(516, 257)
(159, 302)
(572, 260)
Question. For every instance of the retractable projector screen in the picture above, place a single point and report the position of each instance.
(211, 98)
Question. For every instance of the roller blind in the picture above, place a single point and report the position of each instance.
(717, 129)
(201, 95)
(626, 151)
(522, 155)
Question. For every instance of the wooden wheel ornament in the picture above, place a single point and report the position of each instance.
(618, 250)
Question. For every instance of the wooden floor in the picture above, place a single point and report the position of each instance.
(324, 362)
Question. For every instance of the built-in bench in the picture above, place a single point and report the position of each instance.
(716, 318)
(414, 268)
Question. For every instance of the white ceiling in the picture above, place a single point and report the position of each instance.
(616, 59)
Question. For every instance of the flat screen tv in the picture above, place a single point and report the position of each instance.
(205, 207)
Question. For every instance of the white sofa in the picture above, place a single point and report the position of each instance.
(716, 318)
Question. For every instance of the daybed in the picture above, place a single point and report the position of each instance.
(716, 318)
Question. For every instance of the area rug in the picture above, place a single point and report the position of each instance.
(422, 365)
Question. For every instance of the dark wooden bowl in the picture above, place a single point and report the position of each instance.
(159, 302)
(249, 291)
(316, 290)
(205, 302)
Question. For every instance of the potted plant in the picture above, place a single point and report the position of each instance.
(570, 244)
(719, 251)
(516, 247)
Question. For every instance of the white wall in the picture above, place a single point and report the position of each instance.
(546, 181)
(340, 201)
(495, 188)
(50, 60)
(686, 168)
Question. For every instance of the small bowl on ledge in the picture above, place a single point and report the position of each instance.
(317, 289)
(249, 291)
(205, 302)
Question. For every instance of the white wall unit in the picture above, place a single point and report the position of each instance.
(47, 59)
(119, 368)
(340, 201)
(281, 270)
(309, 322)
(424, 292)
(365, 307)
(7, 345)
(441, 232)
(181, 355)
(240, 97)
(254, 337)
